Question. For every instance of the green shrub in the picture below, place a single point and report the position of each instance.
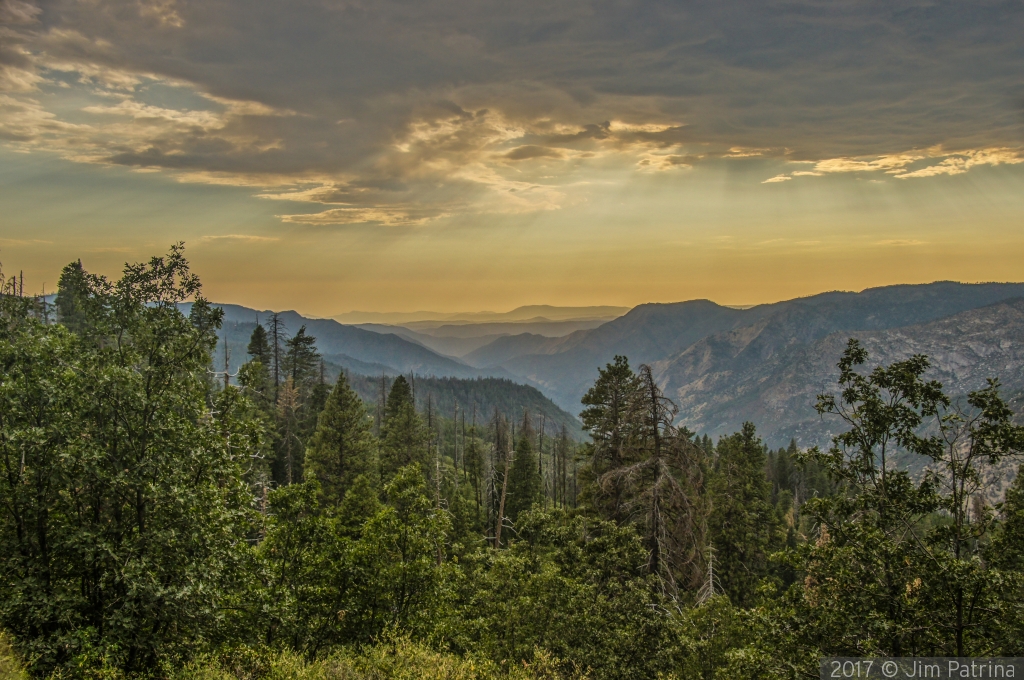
(10, 666)
(395, 660)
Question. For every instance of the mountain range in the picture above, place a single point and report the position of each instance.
(524, 313)
(722, 365)
(458, 340)
(354, 349)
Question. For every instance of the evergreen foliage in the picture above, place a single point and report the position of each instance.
(608, 419)
(342, 447)
(525, 486)
(403, 435)
(259, 347)
(301, 360)
(120, 492)
(743, 527)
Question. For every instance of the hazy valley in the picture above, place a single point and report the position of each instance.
(723, 366)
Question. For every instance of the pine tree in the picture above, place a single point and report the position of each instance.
(316, 398)
(259, 348)
(525, 486)
(403, 435)
(473, 461)
(342, 446)
(80, 298)
(744, 526)
(301, 359)
(561, 477)
(607, 418)
(497, 478)
(254, 375)
(663, 490)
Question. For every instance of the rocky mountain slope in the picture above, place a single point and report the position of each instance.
(565, 367)
(770, 372)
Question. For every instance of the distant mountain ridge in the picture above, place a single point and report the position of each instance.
(457, 340)
(368, 356)
(711, 341)
(352, 348)
(524, 313)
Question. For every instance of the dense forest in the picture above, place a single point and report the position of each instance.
(163, 518)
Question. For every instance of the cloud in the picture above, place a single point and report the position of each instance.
(529, 151)
(243, 238)
(16, 12)
(900, 242)
(961, 162)
(662, 162)
(388, 217)
(897, 165)
(453, 104)
(891, 163)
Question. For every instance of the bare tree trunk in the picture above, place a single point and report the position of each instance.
(501, 505)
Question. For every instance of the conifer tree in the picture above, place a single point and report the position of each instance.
(275, 335)
(316, 398)
(259, 349)
(525, 486)
(342, 446)
(289, 445)
(301, 359)
(561, 476)
(473, 461)
(254, 375)
(608, 419)
(403, 435)
(743, 526)
(80, 298)
(497, 478)
(663, 490)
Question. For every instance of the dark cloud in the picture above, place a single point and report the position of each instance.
(391, 96)
(528, 151)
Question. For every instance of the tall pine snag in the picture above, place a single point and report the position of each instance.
(660, 484)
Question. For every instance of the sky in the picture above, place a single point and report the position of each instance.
(457, 155)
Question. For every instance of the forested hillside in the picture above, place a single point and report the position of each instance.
(161, 518)
(470, 400)
(349, 347)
